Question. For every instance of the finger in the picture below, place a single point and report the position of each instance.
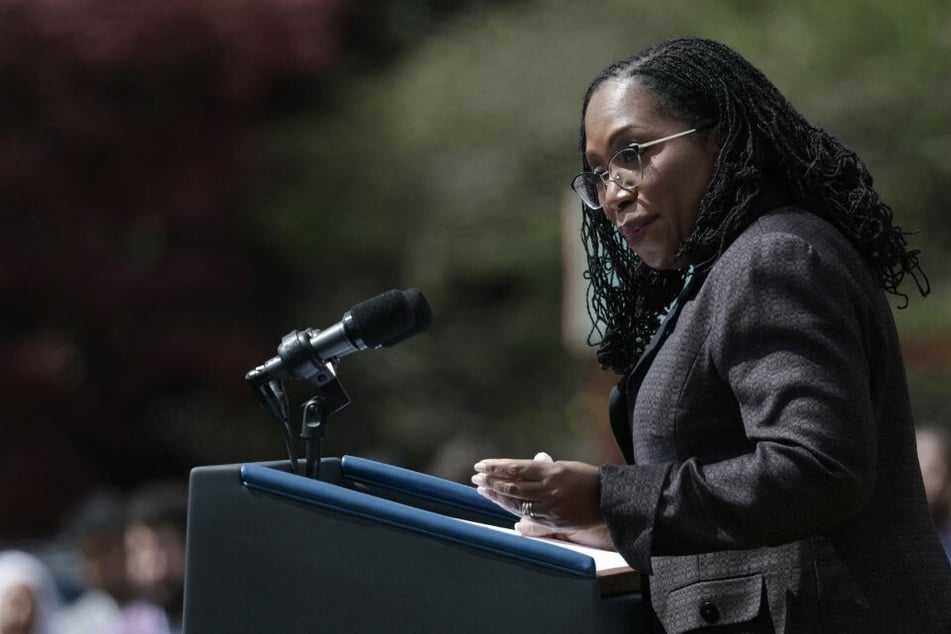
(510, 504)
(503, 467)
(512, 496)
(526, 526)
(515, 469)
(527, 490)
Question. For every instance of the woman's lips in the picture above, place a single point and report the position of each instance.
(634, 231)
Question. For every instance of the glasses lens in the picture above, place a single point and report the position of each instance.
(586, 185)
(625, 167)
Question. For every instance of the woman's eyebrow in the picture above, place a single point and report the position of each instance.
(591, 157)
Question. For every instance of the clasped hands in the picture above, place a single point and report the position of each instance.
(564, 497)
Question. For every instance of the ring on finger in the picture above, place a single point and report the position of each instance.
(526, 508)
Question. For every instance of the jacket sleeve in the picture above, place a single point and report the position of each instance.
(788, 337)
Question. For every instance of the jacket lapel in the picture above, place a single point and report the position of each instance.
(627, 388)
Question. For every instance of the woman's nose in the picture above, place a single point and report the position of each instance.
(616, 197)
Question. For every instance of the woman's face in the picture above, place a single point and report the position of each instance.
(659, 212)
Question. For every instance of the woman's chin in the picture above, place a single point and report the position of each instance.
(658, 261)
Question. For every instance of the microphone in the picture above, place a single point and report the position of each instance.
(379, 322)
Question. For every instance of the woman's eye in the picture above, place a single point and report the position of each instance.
(627, 156)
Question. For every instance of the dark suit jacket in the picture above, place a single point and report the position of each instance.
(773, 482)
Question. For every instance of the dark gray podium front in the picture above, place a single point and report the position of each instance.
(374, 548)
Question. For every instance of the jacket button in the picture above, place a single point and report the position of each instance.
(709, 612)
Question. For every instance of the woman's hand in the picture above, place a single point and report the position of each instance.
(561, 497)
(593, 536)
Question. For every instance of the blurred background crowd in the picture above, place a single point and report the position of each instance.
(182, 182)
(119, 567)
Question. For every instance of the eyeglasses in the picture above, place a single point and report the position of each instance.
(625, 169)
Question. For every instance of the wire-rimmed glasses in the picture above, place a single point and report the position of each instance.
(625, 169)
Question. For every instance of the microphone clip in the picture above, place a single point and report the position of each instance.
(297, 359)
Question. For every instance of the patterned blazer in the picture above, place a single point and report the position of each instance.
(772, 482)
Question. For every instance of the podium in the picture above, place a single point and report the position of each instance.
(370, 547)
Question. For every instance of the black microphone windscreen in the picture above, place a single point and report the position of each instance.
(422, 315)
(382, 318)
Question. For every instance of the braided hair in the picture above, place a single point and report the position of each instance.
(765, 144)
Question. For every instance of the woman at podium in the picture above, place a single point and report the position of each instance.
(742, 269)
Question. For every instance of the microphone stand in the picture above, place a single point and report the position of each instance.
(316, 412)
(297, 360)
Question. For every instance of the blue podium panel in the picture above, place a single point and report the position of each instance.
(374, 548)
(422, 491)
